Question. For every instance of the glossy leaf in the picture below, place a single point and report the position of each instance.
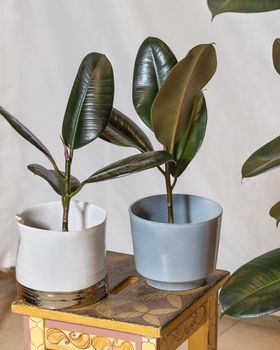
(53, 178)
(172, 108)
(244, 6)
(276, 55)
(275, 212)
(264, 159)
(153, 63)
(190, 142)
(122, 131)
(90, 103)
(130, 165)
(25, 132)
(254, 289)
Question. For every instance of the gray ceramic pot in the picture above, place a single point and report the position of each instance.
(176, 256)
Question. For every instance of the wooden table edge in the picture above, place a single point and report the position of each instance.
(60, 316)
(149, 331)
(190, 310)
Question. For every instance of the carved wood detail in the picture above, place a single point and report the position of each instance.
(182, 332)
(58, 339)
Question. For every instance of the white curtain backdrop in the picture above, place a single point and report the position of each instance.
(41, 46)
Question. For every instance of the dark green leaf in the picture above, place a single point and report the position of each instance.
(275, 212)
(172, 108)
(153, 63)
(90, 102)
(276, 55)
(130, 165)
(264, 159)
(53, 178)
(254, 289)
(122, 131)
(190, 142)
(25, 133)
(245, 6)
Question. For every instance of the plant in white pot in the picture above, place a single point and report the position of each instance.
(175, 236)
(61, 254)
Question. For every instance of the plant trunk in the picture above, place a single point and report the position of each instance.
(66, 194)
(66, 206)
(169, 194)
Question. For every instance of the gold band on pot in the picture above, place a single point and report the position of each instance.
(63, 300)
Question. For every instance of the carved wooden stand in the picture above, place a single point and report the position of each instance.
(133, 316)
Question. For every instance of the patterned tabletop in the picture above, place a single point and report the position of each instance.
(132, 301)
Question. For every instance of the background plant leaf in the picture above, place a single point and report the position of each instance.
(244, 6)
(153, 63)
(122, 131)
(130, 165)
(276, 55)
(275, 212)
(264, 159)
(53, 178)
(90, 103)
(25, 132)
(172, 107)
(254, 289)
(190, 142)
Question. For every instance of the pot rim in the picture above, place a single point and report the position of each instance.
(174, 224)
(40, 204)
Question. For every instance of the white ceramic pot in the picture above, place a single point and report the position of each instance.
(58, 269)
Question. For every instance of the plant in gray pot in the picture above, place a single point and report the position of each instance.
(61, 254)
(175, 236)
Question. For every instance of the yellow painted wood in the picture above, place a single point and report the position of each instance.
(213, 322)
(149, 343)
(146, 331)
(36, 331)
(59, 339)
(164, 323)
(206, 337)
(199, 340)
(32, 311)
(164, 331)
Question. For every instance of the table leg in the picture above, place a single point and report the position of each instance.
(149, 343)
(205, 338)
(199, 340)
(36, 333)
(213, 323)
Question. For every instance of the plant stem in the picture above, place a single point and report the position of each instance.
(66, 205)
(169, 194)
(56, 168)
(161, 170)
(66, 192)
(174, 183)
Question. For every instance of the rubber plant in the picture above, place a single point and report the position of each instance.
(254, 289)
(87, 113)
(168, 97)
(242, 6)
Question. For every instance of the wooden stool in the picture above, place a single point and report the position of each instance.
(133, 316)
